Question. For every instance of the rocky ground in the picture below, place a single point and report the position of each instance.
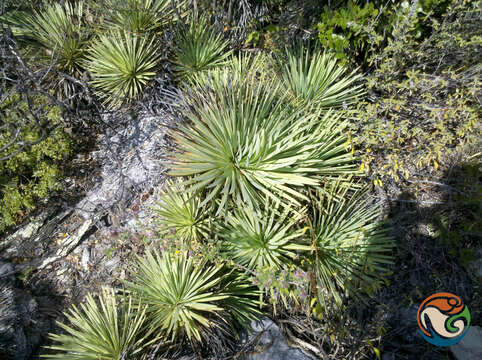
(69, 249)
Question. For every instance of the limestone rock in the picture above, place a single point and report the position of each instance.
(22, 325)
(470, 347)
(270, 343)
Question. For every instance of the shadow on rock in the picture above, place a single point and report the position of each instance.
(438, 236)
(26, 316)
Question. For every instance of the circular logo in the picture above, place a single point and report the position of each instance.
(443, 319)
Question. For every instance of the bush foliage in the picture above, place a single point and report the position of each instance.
(29, 173)
(423, 108)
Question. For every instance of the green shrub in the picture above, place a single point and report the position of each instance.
(245, 143)
(11, 5)
(115, 330)
(349, 30)
(455, 223)
(199, 48)
(439, 7)
(32, 173)
(356, 32)
(121, 64)
(424, 109)
(187, 298)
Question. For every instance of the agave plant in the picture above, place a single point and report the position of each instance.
(141, 16)
(261, 239)
(244, 144)
(199, 48)
(241, 299)
(57, 30)
(55, 35)
(122, 64)
(180, 211)
(316, 78)
(186, 298)
(351, 247)
(114, 330)
(240, 69)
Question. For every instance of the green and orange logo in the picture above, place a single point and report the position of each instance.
(443, 319)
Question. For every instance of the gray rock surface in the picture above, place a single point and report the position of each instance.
(470, 347)
(22, 325)
(131, 158)
(270, 344)
(29, 237)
